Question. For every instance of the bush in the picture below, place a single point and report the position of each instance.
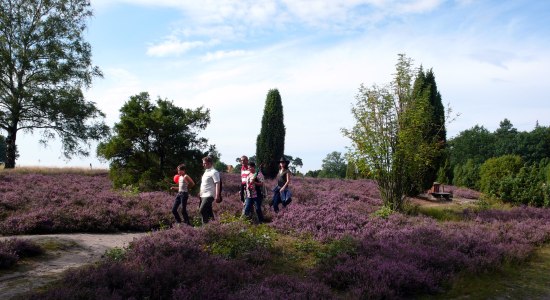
(495, 170)
(13, 250)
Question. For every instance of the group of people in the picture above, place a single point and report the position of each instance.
(252, 191)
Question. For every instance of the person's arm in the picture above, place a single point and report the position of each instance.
(189, 181)
(217, 196)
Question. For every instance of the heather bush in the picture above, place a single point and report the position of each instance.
(12, 250)
(329, 230)
(40, 203)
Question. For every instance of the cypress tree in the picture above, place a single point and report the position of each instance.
(425, 89)
(270, 144)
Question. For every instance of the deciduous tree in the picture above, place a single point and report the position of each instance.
(334, 166)
(150, 140)
(45, 63)
(393, 137)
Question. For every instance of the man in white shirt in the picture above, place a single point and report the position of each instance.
(210, 190)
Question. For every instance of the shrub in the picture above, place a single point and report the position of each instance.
(12, 250)
(494, 170)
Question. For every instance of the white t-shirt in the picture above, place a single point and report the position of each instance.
(182, 184)
(208, 182)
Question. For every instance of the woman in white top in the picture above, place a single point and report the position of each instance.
(184, 184)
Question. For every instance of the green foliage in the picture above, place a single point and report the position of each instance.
(508, 179)
(423, 134)
(345, 245)
(383, 212)
(443, 214)
(270, 144)
(313, 173)
(496, 174)
(334, 166)
(476, 144)
(294, 163)
(399, 135)
(467, 175)
(240, 239)
(115, 254)
(150, 140)
(45, 64)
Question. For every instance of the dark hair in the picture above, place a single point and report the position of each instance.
(181, 167)
(252, 164)
(207, 159)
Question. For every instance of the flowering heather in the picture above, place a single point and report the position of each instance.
(462, 192)
(357, 255)
(37, 203)
(12, 250)
(328, 208)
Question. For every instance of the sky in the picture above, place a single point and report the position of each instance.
(491, 60)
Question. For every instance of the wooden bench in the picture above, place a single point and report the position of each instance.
(441, 195)
(438, 193)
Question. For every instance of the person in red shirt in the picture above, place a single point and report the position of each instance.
(244, 174)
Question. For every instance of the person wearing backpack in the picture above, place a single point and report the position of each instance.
(210, 190)
(252, 197)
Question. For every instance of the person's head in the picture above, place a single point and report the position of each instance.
(244, 160)
(181, 169)
(252, 166)
(207, 162)
(283, 163)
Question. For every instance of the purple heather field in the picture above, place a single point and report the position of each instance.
(358, 255)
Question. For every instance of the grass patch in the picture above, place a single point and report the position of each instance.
(53, 244)
(529, 280)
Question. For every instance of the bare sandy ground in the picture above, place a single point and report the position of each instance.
(69, 251)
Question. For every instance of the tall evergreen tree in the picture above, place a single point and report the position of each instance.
(270, 144)
(430, 129)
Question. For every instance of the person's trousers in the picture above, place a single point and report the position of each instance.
(205, 209)
(181, 198)
(257, 202)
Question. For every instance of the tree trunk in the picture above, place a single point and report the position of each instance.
(11, 149)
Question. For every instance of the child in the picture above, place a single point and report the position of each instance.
(184, 184)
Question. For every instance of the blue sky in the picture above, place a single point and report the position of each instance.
(491, 60)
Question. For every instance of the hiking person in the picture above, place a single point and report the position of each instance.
(210, 190)
(252, 197)
(185, 182)
(244, 174)
(281, 192)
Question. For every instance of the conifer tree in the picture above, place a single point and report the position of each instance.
(270, 144)
(426, 117)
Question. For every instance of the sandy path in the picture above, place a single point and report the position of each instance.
(70, 251)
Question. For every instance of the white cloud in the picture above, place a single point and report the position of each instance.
(173, 47)
(218, 55)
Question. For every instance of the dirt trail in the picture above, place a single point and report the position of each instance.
(68, 251)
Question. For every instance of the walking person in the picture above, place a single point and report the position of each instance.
(244, 174)
(210, 190)
(185, 182)
(281, 192)
(252, 197)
